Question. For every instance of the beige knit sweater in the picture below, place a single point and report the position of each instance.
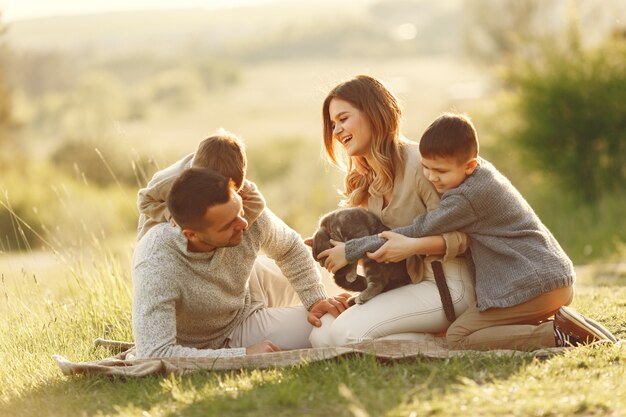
(187, 303)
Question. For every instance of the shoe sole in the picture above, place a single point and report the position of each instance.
(590, 325)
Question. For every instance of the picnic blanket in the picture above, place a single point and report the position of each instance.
(126, 364)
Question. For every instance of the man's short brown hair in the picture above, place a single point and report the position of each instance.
(193, 192)
(450, 135)
(224, 153)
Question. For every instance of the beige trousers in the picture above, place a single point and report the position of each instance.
(277, 313)
(521, 327)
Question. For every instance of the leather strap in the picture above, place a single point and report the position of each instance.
(444, 291)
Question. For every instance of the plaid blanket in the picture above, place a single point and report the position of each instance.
(125, 363)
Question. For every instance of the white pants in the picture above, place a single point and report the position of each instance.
(277, 313)
(403, 313)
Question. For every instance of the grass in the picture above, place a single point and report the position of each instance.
(61, 306)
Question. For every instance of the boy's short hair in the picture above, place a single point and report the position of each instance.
(193, 192)
(224, 153)
(450, 135)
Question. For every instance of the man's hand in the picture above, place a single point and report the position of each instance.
(397, 248)
(262, 347)
(335, 306)
(335, 256)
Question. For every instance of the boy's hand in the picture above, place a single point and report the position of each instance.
(396, 249)
(335, 256)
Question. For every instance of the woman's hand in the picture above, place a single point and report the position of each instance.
(335, 256)
(397, 248)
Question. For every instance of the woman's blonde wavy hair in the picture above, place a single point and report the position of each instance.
(380, 107)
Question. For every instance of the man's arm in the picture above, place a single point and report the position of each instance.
(294, 259)
(292, 256)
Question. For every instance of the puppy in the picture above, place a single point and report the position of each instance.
(349, 223)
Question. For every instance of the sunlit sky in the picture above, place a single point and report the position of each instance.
(25, 9)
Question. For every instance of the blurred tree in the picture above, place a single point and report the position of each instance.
(101, 162)
(37, 73)
(177, 88)
(572, 105)
(499, 31)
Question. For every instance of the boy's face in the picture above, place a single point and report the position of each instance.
(224, 226)
(447, 173)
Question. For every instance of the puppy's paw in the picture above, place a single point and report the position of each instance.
(354, 300)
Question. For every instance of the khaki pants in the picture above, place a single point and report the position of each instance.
(521, 327)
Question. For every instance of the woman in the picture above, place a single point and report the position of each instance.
(383, 174)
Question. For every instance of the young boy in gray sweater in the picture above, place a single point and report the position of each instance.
(523, 276)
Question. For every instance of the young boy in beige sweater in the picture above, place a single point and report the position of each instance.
(222, 152)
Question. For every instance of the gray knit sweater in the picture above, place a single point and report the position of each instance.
(516, 257)
(187, 303)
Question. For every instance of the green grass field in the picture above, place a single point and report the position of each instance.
(58, 304)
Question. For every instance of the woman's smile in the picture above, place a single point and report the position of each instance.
(350, 127)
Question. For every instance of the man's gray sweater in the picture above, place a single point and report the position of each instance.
(188, 303)
(515, 256)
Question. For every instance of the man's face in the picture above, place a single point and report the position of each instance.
(223, 226)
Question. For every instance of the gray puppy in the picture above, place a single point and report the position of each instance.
(349, 223)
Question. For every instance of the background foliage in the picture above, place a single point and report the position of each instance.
(544, 82)
(572, 110)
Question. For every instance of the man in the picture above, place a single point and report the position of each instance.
(191, 293)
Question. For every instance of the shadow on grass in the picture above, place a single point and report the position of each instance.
(87, 395)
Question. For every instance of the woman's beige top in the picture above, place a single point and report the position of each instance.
(411, 196)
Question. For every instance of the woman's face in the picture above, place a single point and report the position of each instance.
(351, 128)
